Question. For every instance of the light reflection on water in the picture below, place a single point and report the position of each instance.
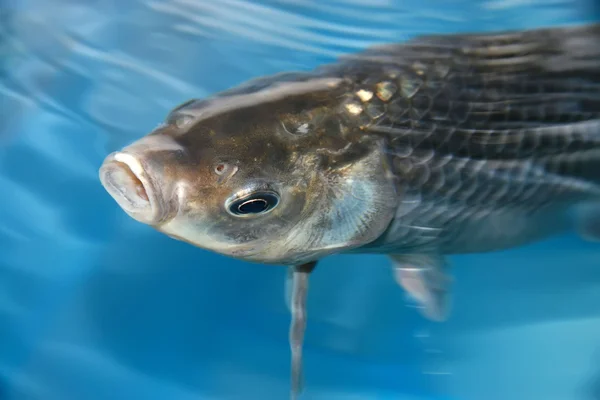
(96, 306)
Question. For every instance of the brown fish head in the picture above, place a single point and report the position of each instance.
(277, 175)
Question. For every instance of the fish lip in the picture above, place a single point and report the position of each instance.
(151, 213)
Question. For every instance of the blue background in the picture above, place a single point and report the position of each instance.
(95, 306)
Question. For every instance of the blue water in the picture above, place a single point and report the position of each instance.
(95, 306)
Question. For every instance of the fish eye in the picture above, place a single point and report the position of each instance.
(257, 203)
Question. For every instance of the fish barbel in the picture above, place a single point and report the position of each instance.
(441, 145)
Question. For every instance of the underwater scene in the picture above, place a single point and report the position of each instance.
(176, 265)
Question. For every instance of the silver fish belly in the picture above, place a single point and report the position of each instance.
(442, 145)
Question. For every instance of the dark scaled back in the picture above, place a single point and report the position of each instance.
(527, 96)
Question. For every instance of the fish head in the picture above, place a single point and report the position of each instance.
(276, 176)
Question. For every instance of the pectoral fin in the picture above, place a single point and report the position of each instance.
(296, 292)
(289, 284)
(425, 279)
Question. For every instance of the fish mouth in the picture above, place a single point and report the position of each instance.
(128, 181)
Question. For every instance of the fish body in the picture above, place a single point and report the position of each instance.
(441, 145)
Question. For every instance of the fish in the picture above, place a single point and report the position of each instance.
(419, 150)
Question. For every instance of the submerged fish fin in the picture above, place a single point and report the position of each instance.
(588, 222)
(297, 303)
(425, 279)
(289, 285)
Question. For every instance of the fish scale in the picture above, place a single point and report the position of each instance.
(457, 129)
